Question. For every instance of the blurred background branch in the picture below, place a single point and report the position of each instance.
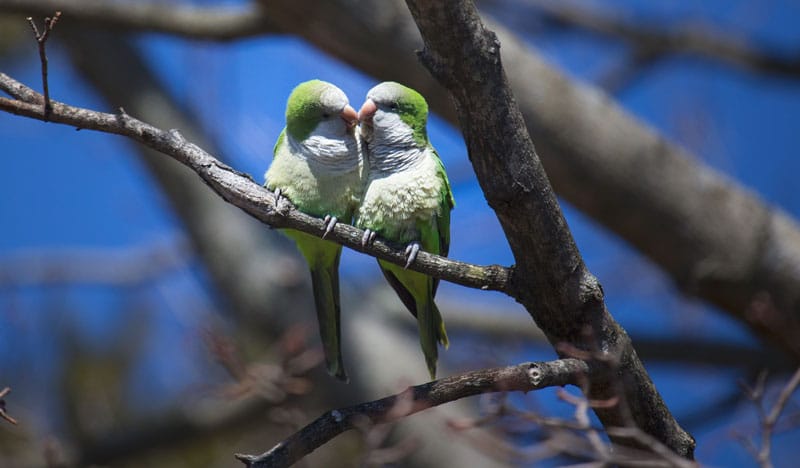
(714, 239)
(651, 42)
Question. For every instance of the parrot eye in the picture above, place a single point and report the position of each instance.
(325, 115)
(393, 106)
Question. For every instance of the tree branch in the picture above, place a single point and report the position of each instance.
(126, 266)
(550, 280)
(230, 23)
(653, 41)
(240, 190)
(3, 415)
(523, 377)
(219, 23)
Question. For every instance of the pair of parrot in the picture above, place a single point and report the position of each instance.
(383, 175)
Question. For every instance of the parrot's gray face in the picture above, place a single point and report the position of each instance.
(338, 117)
(381, 122)
(336, 127)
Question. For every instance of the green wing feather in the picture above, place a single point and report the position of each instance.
(446, 204)
(279, 142)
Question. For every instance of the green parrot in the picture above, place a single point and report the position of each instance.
(407, 199)
(318, 166)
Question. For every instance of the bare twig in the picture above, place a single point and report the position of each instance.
(41, 40)
(575, 437)
(523, 377)
(256, 388)
(770, 419)
(239, 189)
(3, 413)
(376, 435)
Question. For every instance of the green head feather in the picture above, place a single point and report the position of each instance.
(409, 105)
(309, 103)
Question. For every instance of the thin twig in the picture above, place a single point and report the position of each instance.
(769, 420)
(41, 40)
(3, 413)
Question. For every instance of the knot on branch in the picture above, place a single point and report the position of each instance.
(176, 137)
(535, 374)
(491, 45)
(591, 291)
(123, 117)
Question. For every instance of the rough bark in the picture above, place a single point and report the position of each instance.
(550, 278)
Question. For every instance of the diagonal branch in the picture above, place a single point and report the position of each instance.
(551, 279)
(522, 378)
(649, 40)
(770, 420)
(240, 190)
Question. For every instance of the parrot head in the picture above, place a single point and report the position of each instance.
(394, 114)
(319, 107)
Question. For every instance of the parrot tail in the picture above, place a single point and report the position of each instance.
(325, 282)
(431, 332)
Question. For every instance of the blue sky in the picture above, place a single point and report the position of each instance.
(64, 190)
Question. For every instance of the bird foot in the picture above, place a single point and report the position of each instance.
(282, 204)
(368, 237)
(328, 223)
(411, 253)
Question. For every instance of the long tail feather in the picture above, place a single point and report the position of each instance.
(431, 332)
(438, 323)
(416, 291)
(428, 336)
(325, 282)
